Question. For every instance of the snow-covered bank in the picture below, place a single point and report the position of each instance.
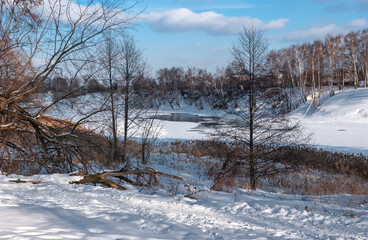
(57, 210)
(340, 123)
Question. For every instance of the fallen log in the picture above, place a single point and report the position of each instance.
(98, 179)
(102, 177)
(25, 181)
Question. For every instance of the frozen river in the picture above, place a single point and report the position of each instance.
(178, 125)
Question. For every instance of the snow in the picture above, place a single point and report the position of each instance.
(186, 130)
(340, 123)
(56, 209)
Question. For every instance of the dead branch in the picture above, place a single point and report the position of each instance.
(139, 172)
(102, 177)
(25, 181)
(97, 178)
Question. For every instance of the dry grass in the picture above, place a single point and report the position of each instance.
(196, 148)
(309, 171)
(308, 182)
(326, 161)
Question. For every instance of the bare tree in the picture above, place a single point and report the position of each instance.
(170, 80)
(109, 61)
(290, 62)
(364, 54)
(313, 63)
(330, 46)
(300, 56)
(49, 37)
(277, 69)
(132, 67)
(340, 60)
(316, 59)
(351, 44)
(150, 132)
(123, 67)
(260, 127)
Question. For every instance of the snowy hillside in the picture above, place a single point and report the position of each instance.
(340, 123)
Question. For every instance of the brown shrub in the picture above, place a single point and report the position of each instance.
(46, 144)
(303, 170)
(329, 162)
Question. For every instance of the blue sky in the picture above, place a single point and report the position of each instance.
(200, 33)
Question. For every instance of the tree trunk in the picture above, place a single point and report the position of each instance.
(252, 172)
(115, 148)
(252, 103)
(356, 82)
(126, 122)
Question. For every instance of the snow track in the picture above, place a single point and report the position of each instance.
(57, 210)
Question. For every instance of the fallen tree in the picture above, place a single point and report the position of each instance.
(25, 181)
(146, 177)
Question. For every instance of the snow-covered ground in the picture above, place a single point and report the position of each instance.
(56, 209)
(340, 123)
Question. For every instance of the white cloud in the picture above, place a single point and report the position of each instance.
(321, 32)
(195, 45)
(91, 12)
(183, 19)
(358, 23)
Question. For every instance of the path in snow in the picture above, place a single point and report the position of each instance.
(58, 210)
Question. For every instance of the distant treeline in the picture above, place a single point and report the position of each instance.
(291, 73)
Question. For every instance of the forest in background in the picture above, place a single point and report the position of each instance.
(293, 73)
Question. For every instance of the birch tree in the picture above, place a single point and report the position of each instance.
(351, 45)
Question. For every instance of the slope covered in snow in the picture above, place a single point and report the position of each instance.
(340, 123)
